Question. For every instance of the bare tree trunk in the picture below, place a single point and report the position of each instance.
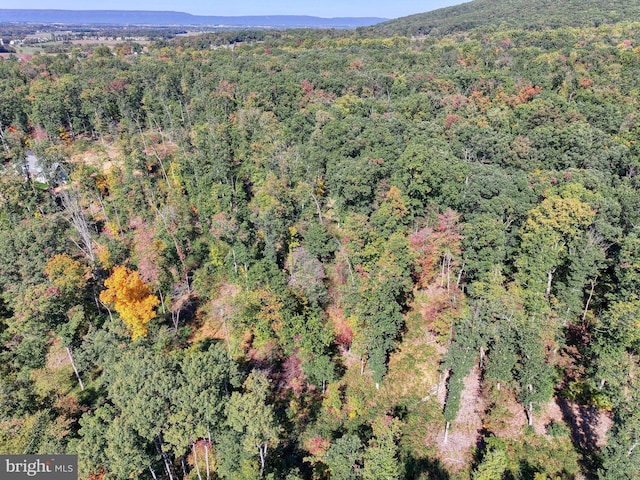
(163, 217)
(164, 309)
(181, 255)
(108, 310)
(586, 307)
(262, 450)
(70, 123)
(4, 142)
(73, 364)
(153, 473)
(175, 318)
(104, 210)
(346, 257)
(155, 154)
(460, 275)
(226, 331)
(315, 199)
(206, 459)
(549, 279)
(235, 263)
(164, 457)
(79, 222)
(195, 460)
(439, 386)
(184, 468)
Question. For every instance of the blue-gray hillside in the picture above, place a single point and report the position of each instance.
(122, 17)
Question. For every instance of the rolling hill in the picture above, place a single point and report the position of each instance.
(525, 14)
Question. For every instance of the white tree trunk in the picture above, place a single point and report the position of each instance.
(195, 460)
(153, 474)
(262, 450)
(164, 457)
(586, 307)
(206, 459)
(73, 364)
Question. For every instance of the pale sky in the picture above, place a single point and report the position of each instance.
(318, 8)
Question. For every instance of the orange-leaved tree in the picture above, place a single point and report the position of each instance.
(131, 298)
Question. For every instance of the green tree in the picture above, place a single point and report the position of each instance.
(199, 398)
(249, 414)
(628, 266)
(621, 459)
(499, 311)
(234, 462)
(552, 226)
(128, 455)
(319, 242)
(92, 442)
(381, 455)
(493, 466)
(428, 172)
(141, 386)
(344, 458)
(459, 361)
(534, 374)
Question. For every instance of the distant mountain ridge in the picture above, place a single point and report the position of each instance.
(511, 14)
(140, 17)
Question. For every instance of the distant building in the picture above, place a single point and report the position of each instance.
(38, 173)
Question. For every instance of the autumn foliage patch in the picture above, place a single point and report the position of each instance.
(131, 298)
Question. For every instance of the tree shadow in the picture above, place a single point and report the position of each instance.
(424, 468)
(527, 471)
(583, 423)
(582, 420)
(481, 447)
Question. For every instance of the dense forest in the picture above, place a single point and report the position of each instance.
(510, 14)
(325, 255)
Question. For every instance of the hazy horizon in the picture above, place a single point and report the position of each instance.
(326, 9)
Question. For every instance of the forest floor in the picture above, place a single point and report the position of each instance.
(505, 418)
(589, 427)
(465, 430)
(217, 312)
(104, 156)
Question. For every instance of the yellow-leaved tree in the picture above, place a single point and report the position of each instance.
(131, 298)
(68, 274)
